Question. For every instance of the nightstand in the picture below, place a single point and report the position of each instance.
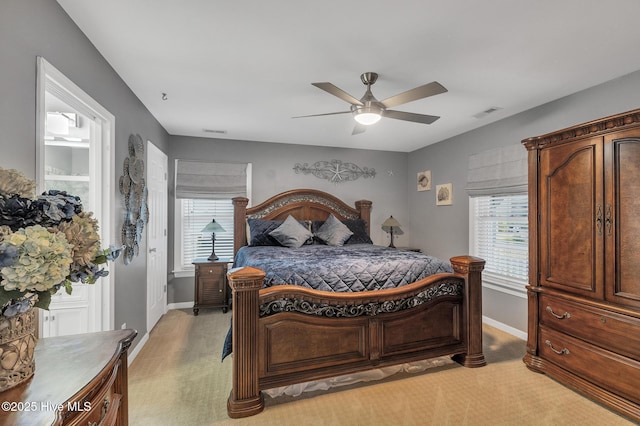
(210, 284)
(417, 250)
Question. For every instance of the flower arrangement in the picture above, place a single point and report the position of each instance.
(46, 242)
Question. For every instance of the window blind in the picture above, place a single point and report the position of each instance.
(196, 214)
(498, 171)
(204, 180)
(501, 237)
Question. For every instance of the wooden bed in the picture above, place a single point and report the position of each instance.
(366, 330)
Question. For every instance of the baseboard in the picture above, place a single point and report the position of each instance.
(134, 353)
(504, 327)
(180, 305)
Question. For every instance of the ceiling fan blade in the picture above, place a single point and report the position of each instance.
(320, 115)
(429, 89)
(358, 128)
(335, 91)
(410, 116)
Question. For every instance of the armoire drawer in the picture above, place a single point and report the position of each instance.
(604, 368)
(605, 328)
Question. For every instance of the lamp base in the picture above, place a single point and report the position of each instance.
(213, 247)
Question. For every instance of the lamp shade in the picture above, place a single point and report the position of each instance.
(392, 226)
(213, 226)
(390, 222)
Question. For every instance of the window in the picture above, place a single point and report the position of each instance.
(500, 235)
(204, 191)
(194, 215)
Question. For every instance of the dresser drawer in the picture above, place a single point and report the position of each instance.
(99, 405)
(605, 328)
(617, 373)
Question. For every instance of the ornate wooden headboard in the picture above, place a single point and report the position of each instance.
(302, 204)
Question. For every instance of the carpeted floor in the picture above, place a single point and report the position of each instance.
(177, 379)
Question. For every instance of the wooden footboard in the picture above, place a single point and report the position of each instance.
(288, 334)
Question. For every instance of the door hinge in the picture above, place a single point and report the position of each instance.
(165, 288)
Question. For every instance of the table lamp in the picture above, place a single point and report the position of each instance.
(213, 227)
(392, 226)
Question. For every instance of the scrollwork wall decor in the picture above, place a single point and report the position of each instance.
(134, 192)
(335, 171)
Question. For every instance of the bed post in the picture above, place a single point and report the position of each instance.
(364, 207)
(245, 398)
(471, 269)
(239, 224)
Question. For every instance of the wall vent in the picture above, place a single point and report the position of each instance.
(219, 132)
(487, 111)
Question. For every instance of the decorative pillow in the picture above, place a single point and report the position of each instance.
(359, 229)
(291, 233)
(259, 232)
(357, 226)
(333, 232)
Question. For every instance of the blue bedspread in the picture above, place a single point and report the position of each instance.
(349, 268)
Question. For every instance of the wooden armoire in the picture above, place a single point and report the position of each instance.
(584, 259)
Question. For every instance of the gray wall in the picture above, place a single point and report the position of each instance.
(444, 230)
(273, 173)
(41, 28)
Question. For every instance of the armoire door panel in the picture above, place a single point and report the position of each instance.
(622, 155)
(572, 217)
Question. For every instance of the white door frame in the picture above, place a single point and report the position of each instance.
(157, 237)
(50, 79)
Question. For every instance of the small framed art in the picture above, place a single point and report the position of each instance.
(424, 180)
(444, 195)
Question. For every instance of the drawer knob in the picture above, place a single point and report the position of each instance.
(563, 351)
(603, 320)
(563, 316)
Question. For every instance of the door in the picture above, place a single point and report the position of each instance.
(157, 165)
(621, 217)
(572, 217)
(75, 136)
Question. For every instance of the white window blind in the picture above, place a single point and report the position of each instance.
(498, 171)
(500, 235)
(196, 214)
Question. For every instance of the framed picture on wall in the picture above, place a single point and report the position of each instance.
(444, 195)
(424, 180)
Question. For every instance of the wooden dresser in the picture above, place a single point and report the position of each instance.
(79, 380)
(584, 259)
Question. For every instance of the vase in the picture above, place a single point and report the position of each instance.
(17, 346)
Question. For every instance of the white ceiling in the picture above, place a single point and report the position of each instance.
(245, 66)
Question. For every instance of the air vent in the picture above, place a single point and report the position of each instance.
(219, 132)
(487, 112)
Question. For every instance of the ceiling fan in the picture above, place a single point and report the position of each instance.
(368, 110)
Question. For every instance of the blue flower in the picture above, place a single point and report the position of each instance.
(8, 255)
(19, 307)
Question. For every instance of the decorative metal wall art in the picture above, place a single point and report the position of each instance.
(134, 191)
(335, 171)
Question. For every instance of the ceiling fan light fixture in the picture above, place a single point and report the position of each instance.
(367, 115)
